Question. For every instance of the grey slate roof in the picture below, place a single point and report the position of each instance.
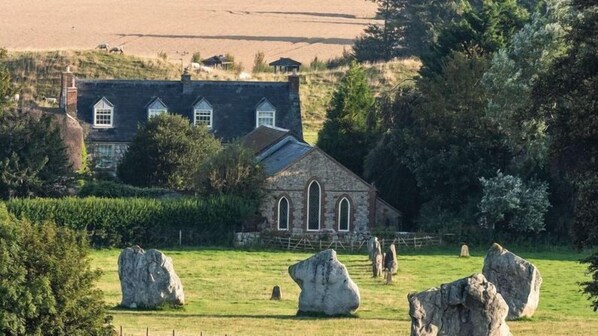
(234, 104)
(284, 61)
(263, 137)
(282, 154)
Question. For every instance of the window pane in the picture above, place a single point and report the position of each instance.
(265, 118)
(203, 117)
(283, 214)
(103, 117)
(155, 112)
(104, 156)
(343, 220)
(314, 206)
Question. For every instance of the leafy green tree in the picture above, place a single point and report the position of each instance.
(167, 152)
(513, 73)
(349, 130)
(510, 204)
(232, 171)
(481, 30)
(386, 165)
(259, 63)
(46, 282)
(452, 143)
(33, 156)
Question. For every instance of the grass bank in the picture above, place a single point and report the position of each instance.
(227, 292)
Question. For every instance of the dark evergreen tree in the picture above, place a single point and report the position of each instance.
(382, 42)
(167, 152)
(349, 131)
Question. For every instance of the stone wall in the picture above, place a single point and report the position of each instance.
(335, 181)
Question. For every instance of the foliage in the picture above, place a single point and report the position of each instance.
(142, 221)
(111, 189)
(7, 90)
(232, 171)
(566, 96)
(33, 157)
(259, 63)
(350, 121)
(46, 281)
(510, 203)
(317, 64)
(479, 31)
(196, 57)
(590, 288)
(167, 152)
(382, 42)
(513, 72)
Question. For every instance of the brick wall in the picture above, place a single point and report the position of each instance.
(335, 181)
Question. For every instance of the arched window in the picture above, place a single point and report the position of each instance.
(283, 213)
(344, 215)
(314, 206)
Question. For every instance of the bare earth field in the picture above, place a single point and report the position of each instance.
(280, 28)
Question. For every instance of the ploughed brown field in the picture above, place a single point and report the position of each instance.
(280, 28)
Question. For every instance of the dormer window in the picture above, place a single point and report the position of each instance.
(156, 107)
(103, 114)
(265, 114)
(203, 113)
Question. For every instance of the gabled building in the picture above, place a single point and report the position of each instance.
(310, 192)
(111, 110)
(285, 64)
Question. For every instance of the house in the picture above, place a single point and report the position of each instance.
(111, 110)
(284, 64)
(307, 191)
(218, 61)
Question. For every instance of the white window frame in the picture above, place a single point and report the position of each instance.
(288, 213)
(260, 115)
(197, 113)
(156, 112)
(340, 208)
(97, 156)
(319, 205)
(107, 111)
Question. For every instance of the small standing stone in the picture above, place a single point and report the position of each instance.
(464, 251)
(377, 265)
(373, 246)
(390, 260)
(388, 276)
(276, 295)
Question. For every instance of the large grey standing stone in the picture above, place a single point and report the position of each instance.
(516, 279)
(391, 264)
(148, 279)
(373, 248)
(326, 287)
(466, 307)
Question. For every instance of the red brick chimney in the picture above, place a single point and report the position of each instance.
(68, 93)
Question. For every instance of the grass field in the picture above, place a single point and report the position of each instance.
(228, 291)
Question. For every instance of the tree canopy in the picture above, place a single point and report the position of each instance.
(167, 152)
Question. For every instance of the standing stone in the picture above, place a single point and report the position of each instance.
(377, 266)
(466, 307)
(515, 278)
(276, 295)
(326, 287)
(390, 260)
(148, 279)
(464, 251)
(373, 247)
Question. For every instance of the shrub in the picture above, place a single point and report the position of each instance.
(46, 282)
(196, 57)
(127, 221)
(259, 63)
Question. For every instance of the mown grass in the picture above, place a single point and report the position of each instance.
(228, 292)
(38, 74)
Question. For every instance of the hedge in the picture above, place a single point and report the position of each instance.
(146, 222)
(116, 190)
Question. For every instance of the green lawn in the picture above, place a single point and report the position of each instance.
(227, 292)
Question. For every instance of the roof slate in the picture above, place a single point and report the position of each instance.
(263, 137)
(234, 104)
(282, 154)
(284, 61)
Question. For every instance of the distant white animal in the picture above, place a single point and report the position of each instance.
(118, 49)
(103, 46)
(195, 66)
(244, 75)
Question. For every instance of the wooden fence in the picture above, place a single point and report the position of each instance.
(125, 331)
(317, 243)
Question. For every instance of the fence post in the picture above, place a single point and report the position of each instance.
(180, 237)
(147, 331)
(121, 330)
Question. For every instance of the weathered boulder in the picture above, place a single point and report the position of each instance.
(466, 307)
(326, 287)
(516, 279)
(148, 279)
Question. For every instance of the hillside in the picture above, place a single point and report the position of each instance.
(38, 74)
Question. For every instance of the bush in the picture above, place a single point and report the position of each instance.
(259, 63)
(46, 282)
(126, 221)
(196, 57)
(110, 189)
